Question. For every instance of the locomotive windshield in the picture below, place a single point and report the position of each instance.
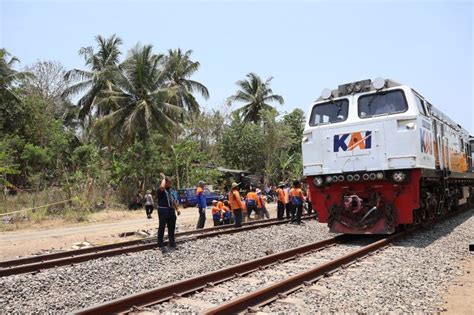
(330, 112)
(382, 103)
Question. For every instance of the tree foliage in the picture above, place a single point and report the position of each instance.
(125, 118)
(257, 96)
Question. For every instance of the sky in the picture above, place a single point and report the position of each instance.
(305, 46)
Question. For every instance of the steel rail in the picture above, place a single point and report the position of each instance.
(77, 256)
(272, 292)
(167, 292)
(67, 253)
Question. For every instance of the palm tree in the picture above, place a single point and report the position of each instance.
(257, 95)
(179, 68)
(9, 77)
(142, 101)
(103, 66)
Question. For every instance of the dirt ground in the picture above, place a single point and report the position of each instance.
(460, 297)
(102, 228)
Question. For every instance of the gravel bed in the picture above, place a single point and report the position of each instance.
(68, 288)
(256, 280)
(411, 276)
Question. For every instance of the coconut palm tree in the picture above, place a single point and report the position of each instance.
(103, 66)
(9, 77)
(257, 95)
(142, 101)
(179, 68)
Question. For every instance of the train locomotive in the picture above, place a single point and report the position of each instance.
(378, 156)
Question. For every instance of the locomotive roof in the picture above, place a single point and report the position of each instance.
(389, 83)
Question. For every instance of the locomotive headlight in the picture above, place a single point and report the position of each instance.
(356, 177)
(358, 87)
(334, 178)
(379, 175)
(340, 178)
(365, 176)
(350, 178)
(372, 176)
(328, 179)
(326, 93)
(349, 88)
(399, 176)
(378, 83)
(318, 181)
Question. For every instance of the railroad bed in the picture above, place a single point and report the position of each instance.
(265, 280)
(41, 262)
(389, 281)
(67, 288)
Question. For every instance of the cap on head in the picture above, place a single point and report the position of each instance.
(234, 185)
(214, 202)
(281, 184)
(201, 183)
(258, 191)
(148, 191)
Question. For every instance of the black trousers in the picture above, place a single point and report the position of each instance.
(166, 218)
(280, 210)
(149, 209)
(299, 212)
(202, 218)
(251, 208)
(237, 218)
(217, 222)
(288, 208)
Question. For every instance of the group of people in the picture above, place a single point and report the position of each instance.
(235, 210)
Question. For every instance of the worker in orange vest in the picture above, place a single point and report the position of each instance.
(226, 212)
(261, 201)
(297, 200)
(280, 201)
(216, 213)
(288, 205)
(251, 202)
(236, 204)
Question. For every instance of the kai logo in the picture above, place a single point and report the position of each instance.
(350, 141)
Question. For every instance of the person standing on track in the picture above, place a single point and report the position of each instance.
(288, 207)
(280, 201)
(148, 204)
(297, 200)
(167, 207)
(251, 202)
(236, 204)
(202, 204)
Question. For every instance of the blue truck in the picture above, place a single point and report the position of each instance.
(188, 198)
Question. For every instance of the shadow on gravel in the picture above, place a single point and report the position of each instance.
(430, 233)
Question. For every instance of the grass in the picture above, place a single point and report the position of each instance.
(77, 210)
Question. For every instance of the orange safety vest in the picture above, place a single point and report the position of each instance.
(234, 200)
(281, 195)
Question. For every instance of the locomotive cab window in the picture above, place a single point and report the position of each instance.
(382, 103)
(330, 112)
(419, 104)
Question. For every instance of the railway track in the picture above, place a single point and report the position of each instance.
(47, 261)
(307, 273)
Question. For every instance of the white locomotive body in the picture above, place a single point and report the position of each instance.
(370, 147)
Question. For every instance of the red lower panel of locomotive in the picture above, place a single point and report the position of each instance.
(367, 207)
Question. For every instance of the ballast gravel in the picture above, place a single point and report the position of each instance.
(412, 276)
(68, 288)
(253, 281)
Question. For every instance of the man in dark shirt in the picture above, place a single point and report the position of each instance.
(167, 206)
